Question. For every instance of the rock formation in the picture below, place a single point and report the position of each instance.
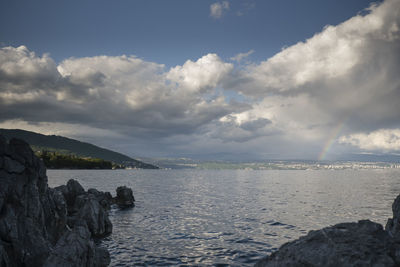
(41, 226)
(124, 198)
(346, 244)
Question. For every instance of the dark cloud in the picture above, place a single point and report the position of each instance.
(341, 84)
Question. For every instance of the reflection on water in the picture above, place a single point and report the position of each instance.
(193, 217)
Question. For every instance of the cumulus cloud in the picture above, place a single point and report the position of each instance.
(125, 93)
(346, 73)
(205, 73)
(381, 140)
(290, 104)
(217, 9)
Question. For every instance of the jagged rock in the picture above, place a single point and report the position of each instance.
(393, 224)
(76, 248)
(57, 207)
(124, 198)
(95, 216)
(23, 194)
(91, 206)
(105, 199)
(347, 244)
(34, 218)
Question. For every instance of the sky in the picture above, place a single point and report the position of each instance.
(206, 79)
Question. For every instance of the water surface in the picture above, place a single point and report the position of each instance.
(230, 217)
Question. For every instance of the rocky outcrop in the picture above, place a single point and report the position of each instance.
(124, 198)
(393, 224)
(44, 226)
(347, 244)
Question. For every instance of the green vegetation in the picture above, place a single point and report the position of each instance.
(54, 160)
(66, 146)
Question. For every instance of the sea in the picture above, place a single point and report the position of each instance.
(230, 217)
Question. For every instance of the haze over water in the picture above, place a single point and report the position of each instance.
(204, 217)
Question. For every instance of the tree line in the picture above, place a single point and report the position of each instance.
(55, 160)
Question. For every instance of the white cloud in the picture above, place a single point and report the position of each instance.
(123, 92)
(379, 140)
(206, 72)
(239, 57)
(290, 104)
(347, 73)
(217, 9)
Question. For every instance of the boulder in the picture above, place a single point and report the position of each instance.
(347, 244)
(124, 198)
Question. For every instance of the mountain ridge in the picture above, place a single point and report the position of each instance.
(67, 145)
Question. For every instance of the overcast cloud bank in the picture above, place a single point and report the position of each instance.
(341, 86)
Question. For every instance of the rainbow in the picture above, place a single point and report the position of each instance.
(332, 138)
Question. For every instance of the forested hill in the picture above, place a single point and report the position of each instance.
(64, 145)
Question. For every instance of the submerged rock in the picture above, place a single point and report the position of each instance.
(44, 226)
(124, 198)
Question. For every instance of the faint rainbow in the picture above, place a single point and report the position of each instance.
(332, 138)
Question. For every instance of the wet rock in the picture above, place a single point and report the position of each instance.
(34, 219)
(347, 244)
(124, 198)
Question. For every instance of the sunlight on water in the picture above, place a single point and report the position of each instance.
(191, 217)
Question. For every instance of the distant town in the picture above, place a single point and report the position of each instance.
(274, 165)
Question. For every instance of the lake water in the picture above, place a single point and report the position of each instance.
(230, 217)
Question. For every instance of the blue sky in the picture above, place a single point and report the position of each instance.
(229, 78)
(167, 32)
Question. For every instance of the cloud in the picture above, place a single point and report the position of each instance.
(387, 140)
(345, 74)
(217, 9)
(205, 73)
(290, 104)
(125, 93)
(246, 7)
(239, 57)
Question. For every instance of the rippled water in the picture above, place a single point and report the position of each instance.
(197, 217)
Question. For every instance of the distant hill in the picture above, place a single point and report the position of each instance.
(66, 145)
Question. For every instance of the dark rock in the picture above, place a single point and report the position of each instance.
(4, 261)
(104, 198)
(347, 244)
(76, 248)
(58, 211)
(34, 218)
(95, 216)
(393, 224)
(73, 190)
(124, 198)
